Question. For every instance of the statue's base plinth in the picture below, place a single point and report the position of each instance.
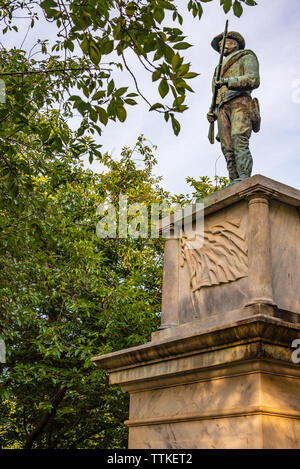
(233, 386)
(219, 371)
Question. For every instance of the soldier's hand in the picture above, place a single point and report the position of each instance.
(211, 117)
(221, 82)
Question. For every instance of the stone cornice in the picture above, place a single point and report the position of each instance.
(216, 414)
(251, 187)
(258, 328)
(259, 191)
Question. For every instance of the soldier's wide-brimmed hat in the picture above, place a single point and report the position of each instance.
(231, 35)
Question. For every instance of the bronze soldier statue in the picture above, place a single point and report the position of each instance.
(233, 107)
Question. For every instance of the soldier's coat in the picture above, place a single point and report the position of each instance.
(233, 103)
(242, 70)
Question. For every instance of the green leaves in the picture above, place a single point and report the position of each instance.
(196, 8)
(236, 5)
(65, 294)
(98, 95)
(110, 87)
(131, 8)
(190, 75)
(227, 4)
(156, 106)
(147, 33)
(102, 115)
(158, 14)
(121, 91)
(121, 113)
(205, 186)
(107, 47)
(94, 53)
(91, 48)
(176, 62)
(237, 8)
(163, 88)
(130, 101)
(175, 125)
(48, 4)
(182, 45)
(62, 290)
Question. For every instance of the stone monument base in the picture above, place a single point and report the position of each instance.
(233, 386)
(219, 371)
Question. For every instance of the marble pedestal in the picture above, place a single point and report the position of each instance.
(219, 372)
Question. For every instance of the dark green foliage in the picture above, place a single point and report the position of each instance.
(67, 295)
(78, 64)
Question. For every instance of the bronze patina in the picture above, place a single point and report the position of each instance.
(237, 114)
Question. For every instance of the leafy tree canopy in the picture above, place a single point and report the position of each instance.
(91, 41)
(75, 74)
(67, 295)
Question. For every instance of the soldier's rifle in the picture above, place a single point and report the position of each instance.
(211, 133)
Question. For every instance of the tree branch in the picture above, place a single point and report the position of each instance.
(55, 401)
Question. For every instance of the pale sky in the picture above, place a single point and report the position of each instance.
(272, 30)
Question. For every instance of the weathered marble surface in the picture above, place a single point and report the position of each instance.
(227, 387)
(242, 432)
(285, 248)
(220, 375)
(267, 272)
(222, 297)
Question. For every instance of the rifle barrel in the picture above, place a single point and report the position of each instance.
(218, 76)
(222, 52)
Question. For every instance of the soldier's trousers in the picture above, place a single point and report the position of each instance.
(234, 128)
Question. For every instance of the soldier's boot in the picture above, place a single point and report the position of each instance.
(243, 157)
(231, 166)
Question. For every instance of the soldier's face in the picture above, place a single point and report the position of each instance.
(231, 45)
